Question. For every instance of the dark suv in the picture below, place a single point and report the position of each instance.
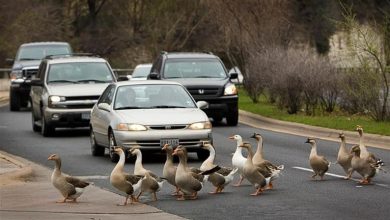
(205, 77)
(26, 65)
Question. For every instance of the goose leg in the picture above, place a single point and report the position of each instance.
(139, 194)
(194, 195)
(314, 176)
(61, 201)
(258, 191)
(240, 181)
(176, 193)
(215, 191)
(270, 186)
(154, 196)
(220, 189)
(125, 203)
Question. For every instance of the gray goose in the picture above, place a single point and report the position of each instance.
(122, 181)
(319, 164)
(189, 182)
(222, 177)
(367, 168)
(253, 173)
(258, 160)
(151, 185)
(70, 187)
(169, 170)
(344, 157)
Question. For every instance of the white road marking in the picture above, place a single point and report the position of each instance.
(339, 176)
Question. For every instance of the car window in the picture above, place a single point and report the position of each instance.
(194, 68)
(108, 95)
(38, 52)
(79, 72)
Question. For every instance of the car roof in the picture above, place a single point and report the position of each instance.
(147, 82)
(74, 59)
(45, 43)
(189, 55)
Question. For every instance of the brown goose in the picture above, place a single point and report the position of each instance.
(367, 168)
(123, 181)
(169, 170)
(222, 177)
(70, 187)
(318, 163)
(151, 185)
(258, 160)
(253, 173)
(188, 182)
(363, 149)
(344, 157)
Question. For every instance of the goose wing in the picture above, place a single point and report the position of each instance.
(76, 182)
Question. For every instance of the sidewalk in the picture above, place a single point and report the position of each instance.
(27, 193)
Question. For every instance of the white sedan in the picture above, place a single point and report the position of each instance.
(149, 114)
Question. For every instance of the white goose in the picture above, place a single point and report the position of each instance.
(238, 160)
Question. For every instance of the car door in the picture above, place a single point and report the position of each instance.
(36, 91)
(100, 117)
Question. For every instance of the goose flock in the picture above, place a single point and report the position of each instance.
(188, 181)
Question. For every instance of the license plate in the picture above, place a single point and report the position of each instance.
(85, 116)
(172, 141)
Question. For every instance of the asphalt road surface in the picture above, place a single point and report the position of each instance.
(295, 194)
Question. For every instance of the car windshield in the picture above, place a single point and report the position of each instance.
(194, 68)
(38, 52)
(141, 71)
(152, 96)
(79, 72)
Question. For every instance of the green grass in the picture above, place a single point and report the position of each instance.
(335, 120)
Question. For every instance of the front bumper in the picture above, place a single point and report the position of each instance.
(150, 139)
(67, 117)
(220, 106)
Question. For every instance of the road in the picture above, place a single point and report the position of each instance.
(295, 195)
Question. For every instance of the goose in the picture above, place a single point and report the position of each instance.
(344, 157)
(238, 160)
(252, 173)
(318, 163)
(363, 149)
(123, 181)
(188, 182)
(169, 170)
(151, 185)
(367, 168)
(139, 169)
(258, 160)
(222, 177)
(70, 187)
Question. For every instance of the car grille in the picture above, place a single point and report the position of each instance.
(183, 142)
(167, 127)
(29, 72)
(77, 102)
(204, 91)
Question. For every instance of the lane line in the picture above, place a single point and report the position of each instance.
(339, 176)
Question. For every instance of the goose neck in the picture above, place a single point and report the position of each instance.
(121, 163)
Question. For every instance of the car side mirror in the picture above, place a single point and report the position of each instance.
(104, 106)
(202, 104)
(153, 75)
(9, 61)
(122, 78)
(36, 82)
(233, 75)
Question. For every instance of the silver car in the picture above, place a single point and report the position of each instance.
(149, 114)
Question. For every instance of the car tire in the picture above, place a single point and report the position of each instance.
(96, 149)
(46, 129)
(112, 143)
(202, 154)
(35, 127)
(217, 119)
(14, 100)
(232, 117)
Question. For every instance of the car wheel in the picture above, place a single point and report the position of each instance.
(35, 127)
(217, 119)
(46, 129)
(112, 143)
(232, 117)
(96, 149)
(14, 100)
(203, 154)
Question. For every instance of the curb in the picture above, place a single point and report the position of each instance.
(19, 169)
(257, 121)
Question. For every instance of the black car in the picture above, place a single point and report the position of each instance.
(205, 77)
(25, 66)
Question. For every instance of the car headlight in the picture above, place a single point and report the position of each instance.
(200, 125)
(54, 99)
(230, 89)
(131, 127)
(15, 74)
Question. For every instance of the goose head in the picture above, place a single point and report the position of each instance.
(207, 145)
(118, 150)
(310, 140)
(179, 150)
(134, 150)
(359, 129)
(256, 136)
(342, 135)
(53, 157)
(167, 147)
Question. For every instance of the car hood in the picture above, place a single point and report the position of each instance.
(203, 82)
(162, 116)
(77, 89)
(25, 63)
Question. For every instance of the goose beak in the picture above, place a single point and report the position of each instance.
(165, 147)
(253, 135)
(174, 152)
(231, 137)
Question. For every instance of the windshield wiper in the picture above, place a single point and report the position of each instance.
(167, 106)
(28, 59)
(128, 107)
(205, 77)
(91, 80)
(62, 81)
